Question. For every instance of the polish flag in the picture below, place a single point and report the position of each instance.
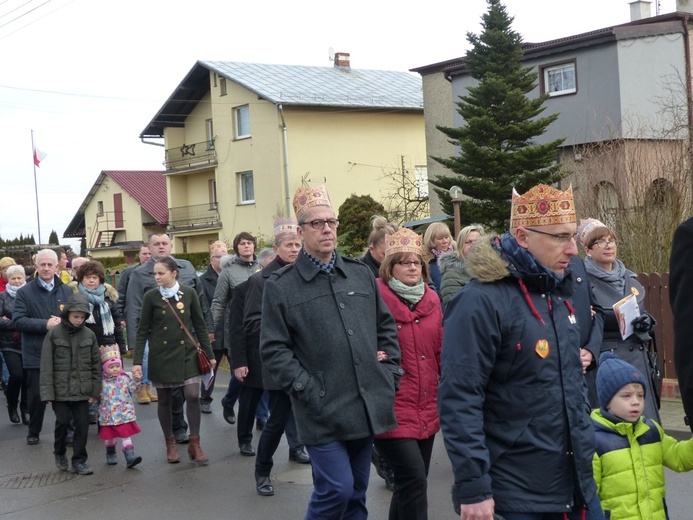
(38, 156)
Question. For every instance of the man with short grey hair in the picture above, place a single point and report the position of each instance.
(36, 311)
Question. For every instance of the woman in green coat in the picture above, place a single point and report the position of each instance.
(172, 352)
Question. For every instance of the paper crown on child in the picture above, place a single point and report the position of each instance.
(403, 241)
(587, 225)
(542, 206)
(307, 197)
(109, 353)
(284, 227)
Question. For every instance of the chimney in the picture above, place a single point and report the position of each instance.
(341, 60)
(684, 6)
(639, 10)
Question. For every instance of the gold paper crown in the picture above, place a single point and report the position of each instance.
(585, 228)
(216, 245)
(285, 227)
(542, 206)
(403, 241)
(308, 197)
(109, 352)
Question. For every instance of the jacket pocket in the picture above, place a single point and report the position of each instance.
(309, 389)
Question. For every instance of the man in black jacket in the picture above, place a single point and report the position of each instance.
(36, 311)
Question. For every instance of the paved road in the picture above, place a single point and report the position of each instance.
(31, 488)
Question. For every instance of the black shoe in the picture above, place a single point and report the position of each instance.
(247, 450)
(227, 412)
(70, 438)
(264, 486)
(14, 416)
(299, 456)
(32, 439)
(260, 424)
(81, 468)
(181, 438)
(383, 469)
(25, 418)
(61, 462)
(206, 407)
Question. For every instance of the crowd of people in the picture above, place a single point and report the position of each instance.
(514, 347)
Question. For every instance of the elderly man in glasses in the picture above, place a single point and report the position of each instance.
(512, 401)
(323, 323)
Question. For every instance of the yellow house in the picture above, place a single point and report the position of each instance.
(240, 138)
(120, 212)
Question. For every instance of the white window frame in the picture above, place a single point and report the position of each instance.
(241, 119)
(557, 79)
(244, 197)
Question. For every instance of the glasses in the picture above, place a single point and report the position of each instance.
(559, 238)
(604, 243)
(409, 263)
(319, 223)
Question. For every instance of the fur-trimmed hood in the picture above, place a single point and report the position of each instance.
(227, 260)
(485, 263)
(111, 292)
(451, 262)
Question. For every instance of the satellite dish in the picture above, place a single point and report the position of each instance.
(331, 53)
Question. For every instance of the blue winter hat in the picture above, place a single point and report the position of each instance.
(614, 374)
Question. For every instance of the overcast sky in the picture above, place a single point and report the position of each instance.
(88, 75)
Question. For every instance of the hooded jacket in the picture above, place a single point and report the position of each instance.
(454, 275)
(629, 466)
(70, 360)
(512, 404)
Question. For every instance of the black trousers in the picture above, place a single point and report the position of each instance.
(36, 407)
(248, 399)
(17, 382)
(280, 417)
(177, 403)
(78, 413)
(410, 460)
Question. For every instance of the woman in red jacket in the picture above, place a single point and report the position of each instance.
(417, 311)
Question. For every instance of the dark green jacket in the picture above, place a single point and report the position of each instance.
(172, 355)
(70, 361)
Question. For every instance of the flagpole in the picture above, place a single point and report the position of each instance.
(38, 217)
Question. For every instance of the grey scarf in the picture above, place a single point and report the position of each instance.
(616, 277)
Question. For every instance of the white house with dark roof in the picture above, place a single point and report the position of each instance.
(240, 138)
(120, 211)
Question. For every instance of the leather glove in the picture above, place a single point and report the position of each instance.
(643, 326)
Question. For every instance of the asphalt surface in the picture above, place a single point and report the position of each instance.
(31, 487)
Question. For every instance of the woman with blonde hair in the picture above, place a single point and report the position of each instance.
(437, 240)
(451, 264)
(376, 243)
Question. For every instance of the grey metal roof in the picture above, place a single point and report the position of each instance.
(325, 86)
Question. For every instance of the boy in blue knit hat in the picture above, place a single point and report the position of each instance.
(631, 449)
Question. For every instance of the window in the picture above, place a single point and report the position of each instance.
(213, 194)
(99, 208)
(245, 188)
(242, 121)
(560, 79)
(222, 86)
(661, 193)
(209, 126)
(421, 179)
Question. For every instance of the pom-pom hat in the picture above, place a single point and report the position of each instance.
(542, 206)
(307, 197)
(614, 374)
(403, 241)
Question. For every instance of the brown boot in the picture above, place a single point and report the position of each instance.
(152, 396)
(195, 451)
(142, 395)
(171, 450)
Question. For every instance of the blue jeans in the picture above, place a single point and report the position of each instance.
(340, 478)
(594, 512)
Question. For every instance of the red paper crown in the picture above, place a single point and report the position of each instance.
(403, 241)
(542, 206)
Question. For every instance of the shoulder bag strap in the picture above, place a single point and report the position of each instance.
(168, 302)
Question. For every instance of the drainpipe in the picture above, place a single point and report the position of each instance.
(689, 96)
(151, 142)
(286, 163)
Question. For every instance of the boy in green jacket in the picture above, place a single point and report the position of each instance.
(71, 380)
(631, 450)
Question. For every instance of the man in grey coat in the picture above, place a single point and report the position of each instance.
(323, 325)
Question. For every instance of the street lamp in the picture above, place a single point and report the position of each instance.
(456, 196)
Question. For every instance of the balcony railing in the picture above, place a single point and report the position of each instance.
(191, 155)
(196, 216)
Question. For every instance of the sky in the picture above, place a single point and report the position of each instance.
(87, 76)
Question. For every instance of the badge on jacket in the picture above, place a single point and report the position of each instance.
(542, 348)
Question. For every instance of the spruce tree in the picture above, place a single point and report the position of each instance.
(53, 238)
(497, 149)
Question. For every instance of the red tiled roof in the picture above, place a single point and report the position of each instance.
(148, 188)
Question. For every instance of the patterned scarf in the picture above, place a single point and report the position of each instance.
(524, 261)
(171, 292)
(438, 252)
(411, 293)
(12, 290)
(96, 298)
